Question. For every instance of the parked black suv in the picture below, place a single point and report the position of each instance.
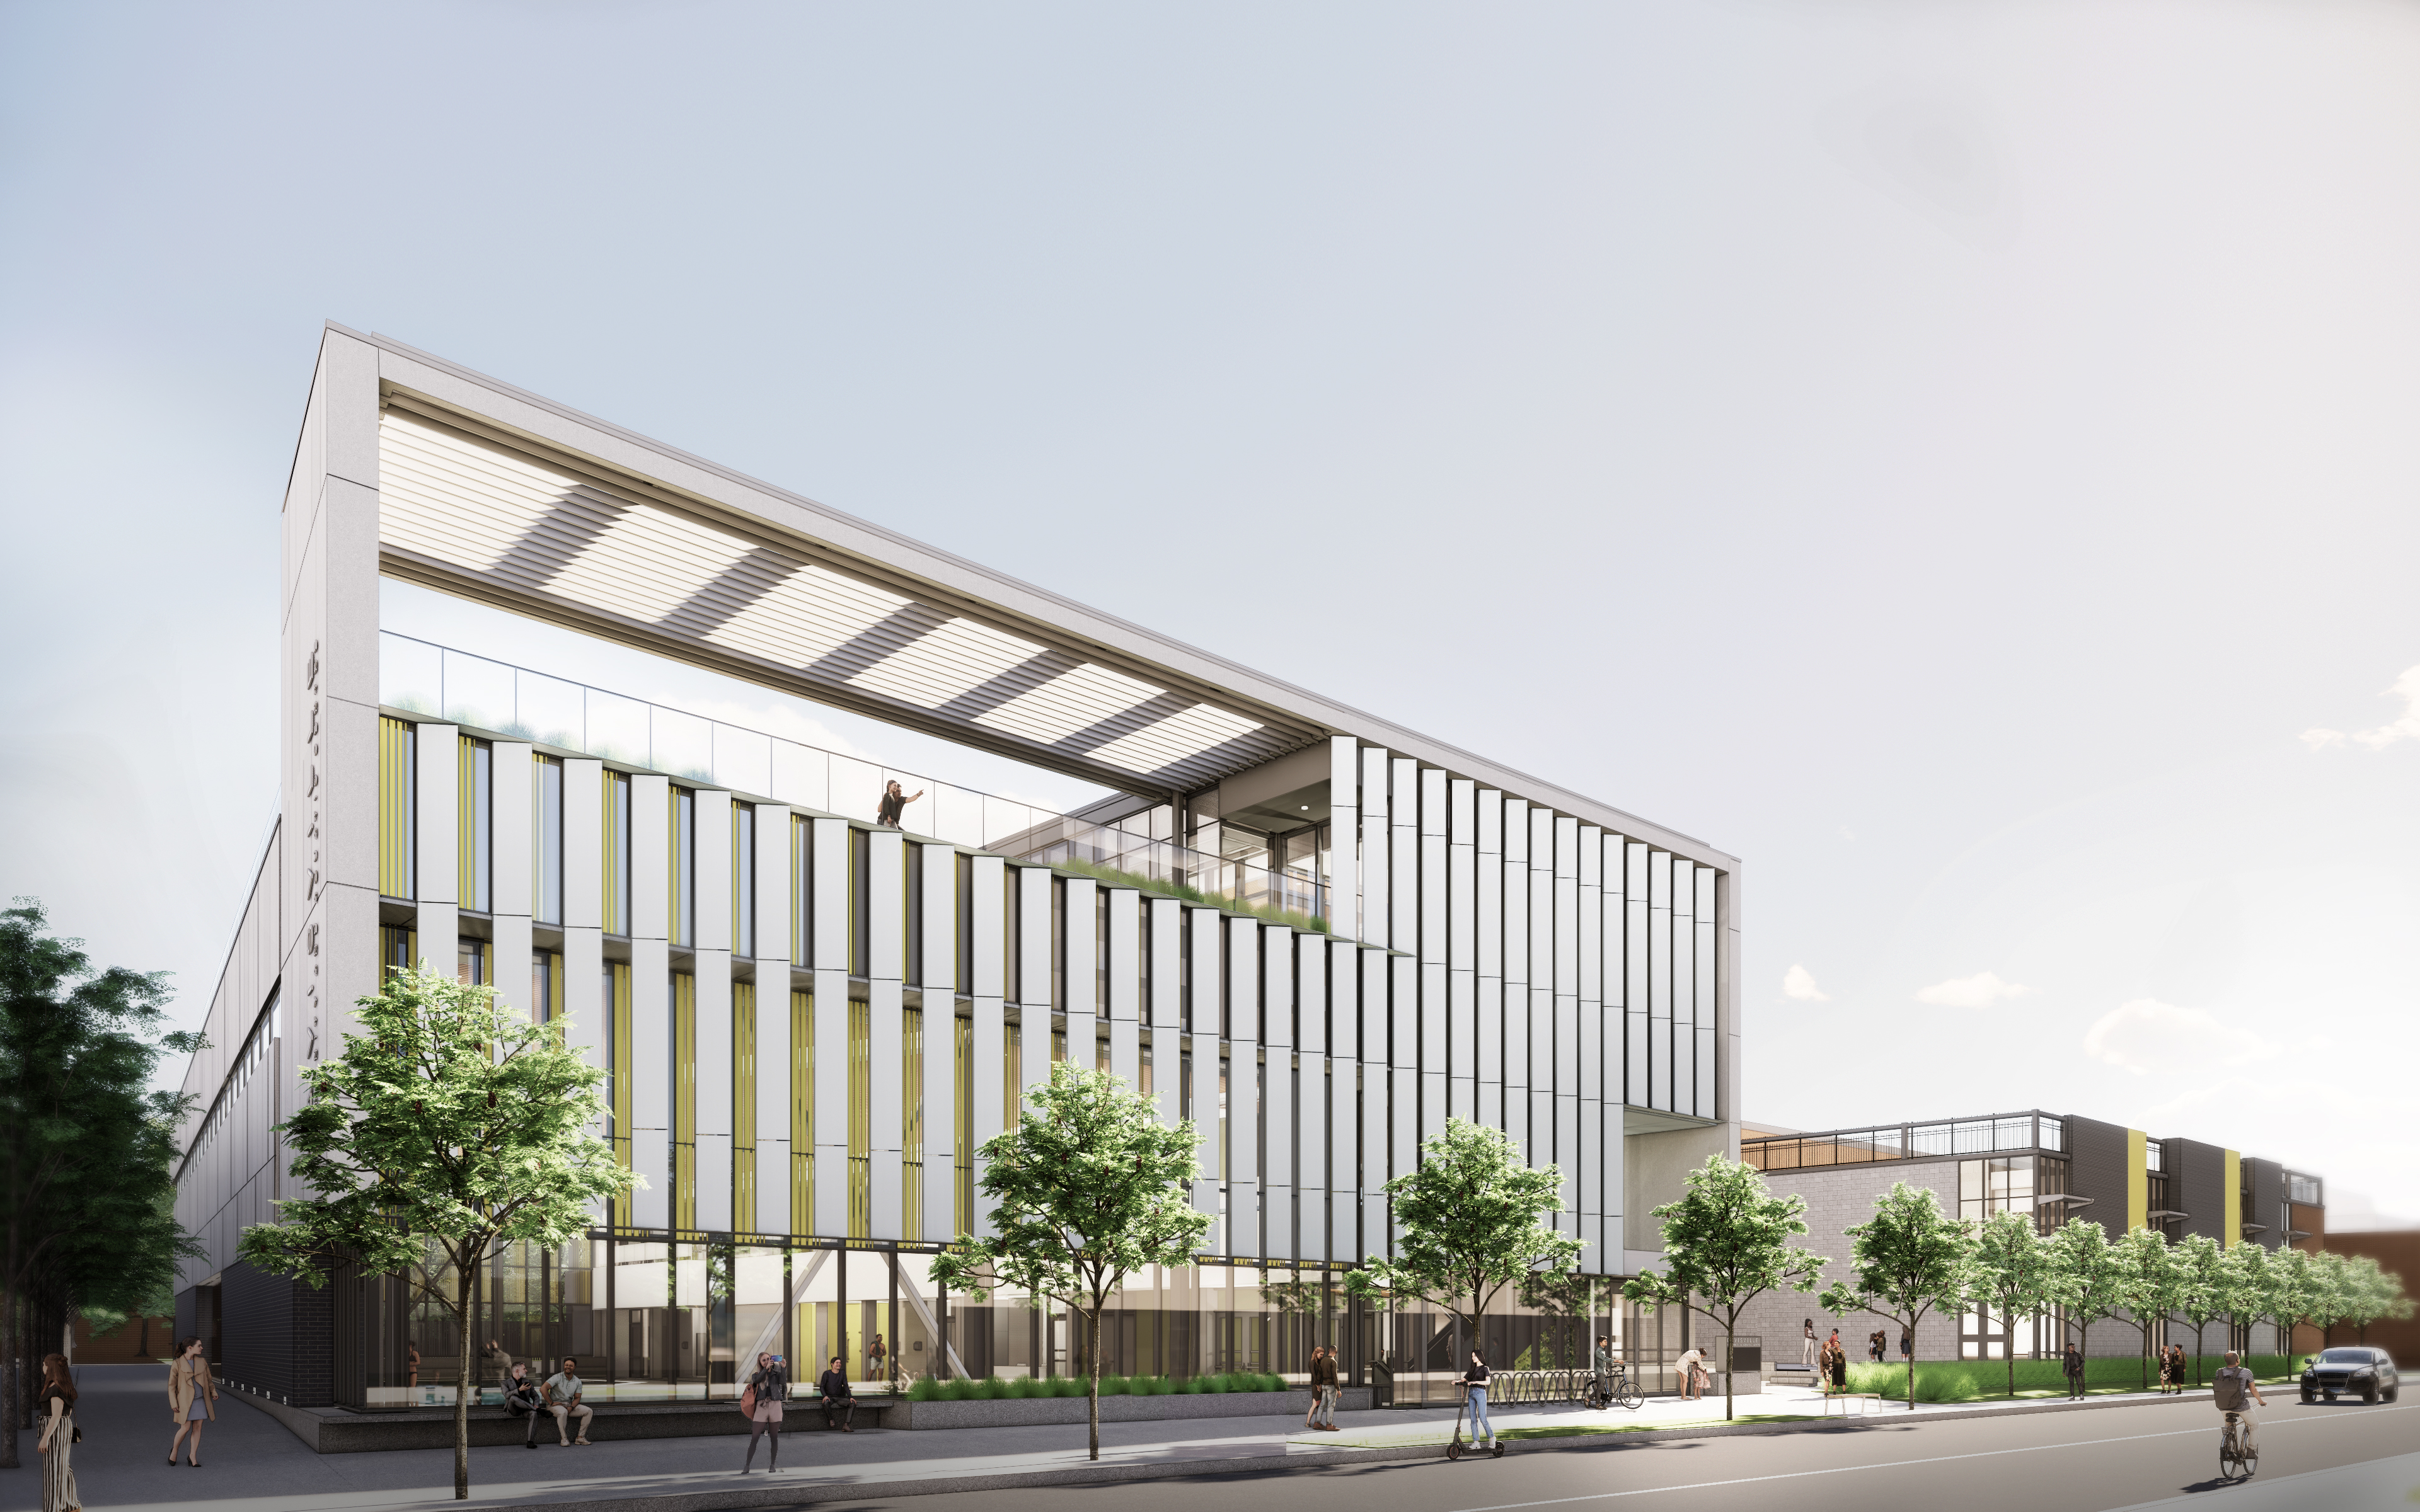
(2349, 1370)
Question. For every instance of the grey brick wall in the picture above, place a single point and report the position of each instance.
(1838, 1196)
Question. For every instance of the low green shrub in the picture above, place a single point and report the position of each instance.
(1970, 1380)
(924, 1389)
(963, 1390)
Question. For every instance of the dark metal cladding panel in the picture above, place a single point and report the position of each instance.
(2097, 1170)
(2197, 1186)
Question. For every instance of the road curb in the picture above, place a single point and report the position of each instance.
(773, 1492)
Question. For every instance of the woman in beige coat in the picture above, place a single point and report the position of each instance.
(193, 1399)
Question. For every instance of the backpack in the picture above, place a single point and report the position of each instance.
(2230, 1389)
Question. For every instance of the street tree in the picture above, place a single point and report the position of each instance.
(2012, 1275)
(1086, 1189)
(1472, 1219)
(2299, 1288)
(1726, 1241)
(2085, 1280)
(2201, 1293)
(87, 1189)
(2246, 1278)
(2150, 1283)
(450, 1125)
(2375, 1292)
(1567, 1299)
(1908, 1259)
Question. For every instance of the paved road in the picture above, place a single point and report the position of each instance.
(2123, 1457)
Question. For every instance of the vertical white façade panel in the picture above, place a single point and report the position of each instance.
(712, 890)
(1165, 919)
(1659, 979)
(1345, 1101)
(1311, 1232)
(1566, 1016)
(773, 1089)
(651, 1038)
(1432, 1008)
(1207, 1033)
(1703, 978)
(1376, 915)
(1684, 993)
(583, 897)
(940, 1102)
(1277, 1093)
(1033, 976)
(435, 768)
(987, 1051)
(1345, 832)
(1541, 1144)
(509, 875)
(1590, 1158)
(1460, 943)
(886, 906)
(1515, 995)
(1377, 1103)
(1125, 1007)
(830, 862)
(1082, 979)
(1403, 852)
(1487, 954)
(1243, 1080)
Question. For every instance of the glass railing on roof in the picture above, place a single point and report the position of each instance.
(1162, 866)
(440, 682)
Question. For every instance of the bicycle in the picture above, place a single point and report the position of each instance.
(2238, 1454)
(1619, 1391)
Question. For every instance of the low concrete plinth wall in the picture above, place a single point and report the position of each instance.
(1014, 1412)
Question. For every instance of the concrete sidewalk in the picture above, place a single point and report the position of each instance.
(253, 1462)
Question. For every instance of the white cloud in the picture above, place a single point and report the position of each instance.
(1980, 990)
(2406, 687)
(1799, 983)
(2148, 1036)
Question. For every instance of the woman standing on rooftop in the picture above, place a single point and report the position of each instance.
(886, 813)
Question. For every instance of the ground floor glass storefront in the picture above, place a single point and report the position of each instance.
(653, 1319)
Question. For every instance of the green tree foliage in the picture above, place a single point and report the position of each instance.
(2012, 1273)
(448, 1123)
(1470, 1217)
(2371, 1293)
(1086, 1189)
(87, 1149)
(2150, 1283)
(2200, 1298)
(2087, 1280)
(2299, 1288)
(1726, 1241)
(1566, 1299)
(2244, 1280)
(1908, 1259)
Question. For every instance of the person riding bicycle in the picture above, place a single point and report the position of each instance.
(2236, 1392)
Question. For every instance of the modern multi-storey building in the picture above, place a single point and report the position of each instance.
(1312, 933)
(2061, 1168)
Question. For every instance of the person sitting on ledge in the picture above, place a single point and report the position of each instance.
(840, 1404)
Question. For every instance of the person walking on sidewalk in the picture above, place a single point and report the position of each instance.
(1839, 1367)
(2073, 1364)
(1474, 1386)
(564, 1390)
(1324, 1391)
(839, 1403)
(193, 1398)
(768, 1389)
(1807, 1344)
(57, 1408)
(1906, 1344)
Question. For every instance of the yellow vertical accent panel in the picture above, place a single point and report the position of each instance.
(1011, 1040)
(466, 819)
(618, 1015)
(911, 1121)
(395, 759)
(616, 793)
(861, 1122)
(802, 1113)
(2233, 1232)
(684, 1203)
(2138, 1180)
(962, 1092)
(743, 1107)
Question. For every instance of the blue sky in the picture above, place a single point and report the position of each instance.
(1945, 455)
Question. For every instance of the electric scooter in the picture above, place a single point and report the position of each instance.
(1454, 1445)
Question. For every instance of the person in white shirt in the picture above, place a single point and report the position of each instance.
(1692, 1366)
(563, 1392)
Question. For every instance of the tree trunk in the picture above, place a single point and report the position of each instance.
(2009, 1322)
(1911, 1366)
(8, 1392)
(1731, 1409)
(465, 1276)
(1093, 1368)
